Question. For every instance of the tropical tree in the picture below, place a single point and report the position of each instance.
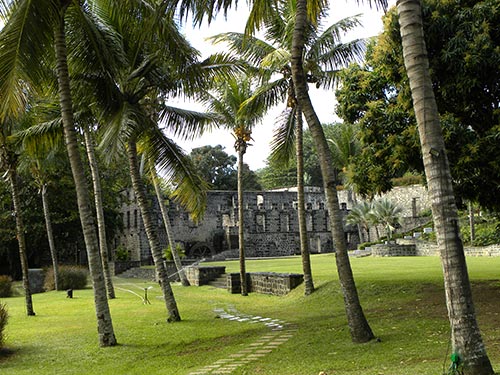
(9, 164)
(467, 343)
(324, 55)
(98, 200)
(386, 213)
(158, 64)
(30, 29)
(218, 168)
(305, 17)
(362, 215)
(168, 230)
(227, 101)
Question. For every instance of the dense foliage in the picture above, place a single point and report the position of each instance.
(70, 277)
(5, 286)
(218, 168)
(463, 41)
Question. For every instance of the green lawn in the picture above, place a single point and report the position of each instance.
(402, 297)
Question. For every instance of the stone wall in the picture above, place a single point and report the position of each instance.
(271, 224)
(427, 248)
(278, 284)
(202, 275)
(393, 250)
(36, 278)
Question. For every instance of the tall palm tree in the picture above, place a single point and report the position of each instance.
(324, 55)
(466, 338)
(31, 28)
(227, 101)
(168, 230)
(158, 65)
(101, 224)
(359, 327)
(9, 163)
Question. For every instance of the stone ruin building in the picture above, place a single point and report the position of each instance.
(271, 224)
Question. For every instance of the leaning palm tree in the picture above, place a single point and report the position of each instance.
(168, 230)
(227, 101)
(468, 347)
(158, 65)
(306, 17)
(31, 27)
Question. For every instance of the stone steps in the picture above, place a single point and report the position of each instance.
(220, 282)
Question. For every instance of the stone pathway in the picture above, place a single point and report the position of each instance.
(280, 332)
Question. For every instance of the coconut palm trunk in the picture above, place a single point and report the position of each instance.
(101, 223)
(103, 315)
(50, 236)
(304, 243)
(466, 338)
(166, 223)
(241, 149)
(21, 240)
(358, 325)
(151, 231)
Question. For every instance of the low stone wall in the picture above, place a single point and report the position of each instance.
(427, 248)
(277, 284)
(393, 250)
(202, 275)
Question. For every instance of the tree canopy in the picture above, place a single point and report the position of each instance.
(218, 168)
(464, 53)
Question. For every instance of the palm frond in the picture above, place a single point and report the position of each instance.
(283, 142)
(185, 123)
(266, 96)
(176, 167)
(24, 42)
(249, 48)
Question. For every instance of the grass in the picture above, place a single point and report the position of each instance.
(402, 297)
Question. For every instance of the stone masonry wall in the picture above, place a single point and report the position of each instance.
(277, 284)
(270, 219)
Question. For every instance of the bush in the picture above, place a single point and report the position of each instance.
(121, 253)
(5, 286)
(4, 316)
(70, 277)
(168, 252)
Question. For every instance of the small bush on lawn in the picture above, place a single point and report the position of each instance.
(5, 286)
(3, 322)
(70, 277)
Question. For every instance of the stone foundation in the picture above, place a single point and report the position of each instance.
(393, 250)
(277, 284)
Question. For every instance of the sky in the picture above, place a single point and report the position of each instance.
(323, 101)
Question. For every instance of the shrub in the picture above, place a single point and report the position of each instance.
(4, 316)
(5, 286)
(168, 252)
(121, 253)
(70, 277)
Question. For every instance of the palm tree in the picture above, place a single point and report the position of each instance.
(227, 102)
(361, 214)
(359, 327)
(8, 163)
(157, 64)
(386, 213)
(466, 338)
(30, 28)
(323, 56)
(168, 230)
(101, 224)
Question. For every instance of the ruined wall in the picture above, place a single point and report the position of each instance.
(270, 223)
